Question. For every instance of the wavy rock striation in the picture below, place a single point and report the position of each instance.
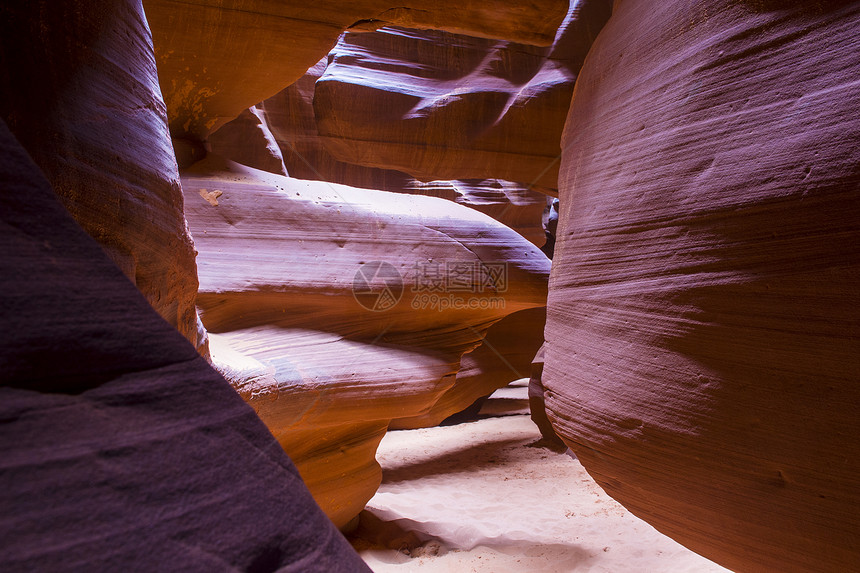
(505, 355)
(444, 106)
(121, 449)
(217, 57)
(703, 351)
(84, 102)
(289, 118)
(336, 310)
(249, 141)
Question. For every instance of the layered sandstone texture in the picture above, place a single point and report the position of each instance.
(446, 106)
(703, 351)
(217, 57)
(505, 355)
(121, 449)
(289, 119)
(249, 141)
(83, 99)
(335, 310)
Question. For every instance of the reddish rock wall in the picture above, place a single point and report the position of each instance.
(703, 350)
(289, 118)
(86, 106)
(249, 141)
(218, 57)
(121, 449)
(444, 106)
(302, 341)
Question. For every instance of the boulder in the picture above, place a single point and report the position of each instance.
(703, 350)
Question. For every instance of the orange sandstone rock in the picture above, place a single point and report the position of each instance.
(444, 106)
(504, 355)
(289, 118)
(336, 309)
(249, 141)
(216, 58)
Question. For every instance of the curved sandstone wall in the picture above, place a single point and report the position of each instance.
(703, 351)
(83, 99)
(292, 276)
(121, 449)
(438, 105)
(218, 57)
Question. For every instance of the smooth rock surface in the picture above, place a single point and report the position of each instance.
(336, 310)
(504, 356)
(537, 404)
(703, 351)
(289, 117)
(121, 449)
(218, 57)
(249, 141)
(329, 400)
(444, 106)
(82, 96)
(512, 204)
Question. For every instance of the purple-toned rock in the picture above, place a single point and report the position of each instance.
(218, 57)
(121, 449)
(84, 102)
(335, 310)
(248, 140)
(703, 351)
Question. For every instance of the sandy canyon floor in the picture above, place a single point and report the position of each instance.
(482, 496)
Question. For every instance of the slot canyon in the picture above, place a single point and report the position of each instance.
(430, 286)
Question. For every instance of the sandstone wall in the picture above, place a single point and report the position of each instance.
(444, 106)
(289, 119)
(216, 57)
(121, 449)
(292, 278)
(84, 101)
(702, 354)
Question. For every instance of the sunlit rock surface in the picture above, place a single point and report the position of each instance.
(504, 356)
(81, 94)
(445, 106)
(121, 449)
(218, 57)
(335, 310)
(509, 203)
(703, 350)
(289, 118)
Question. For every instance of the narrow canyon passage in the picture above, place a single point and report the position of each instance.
(485, 495)
(256, 254)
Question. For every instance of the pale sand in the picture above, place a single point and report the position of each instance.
(477, 497)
